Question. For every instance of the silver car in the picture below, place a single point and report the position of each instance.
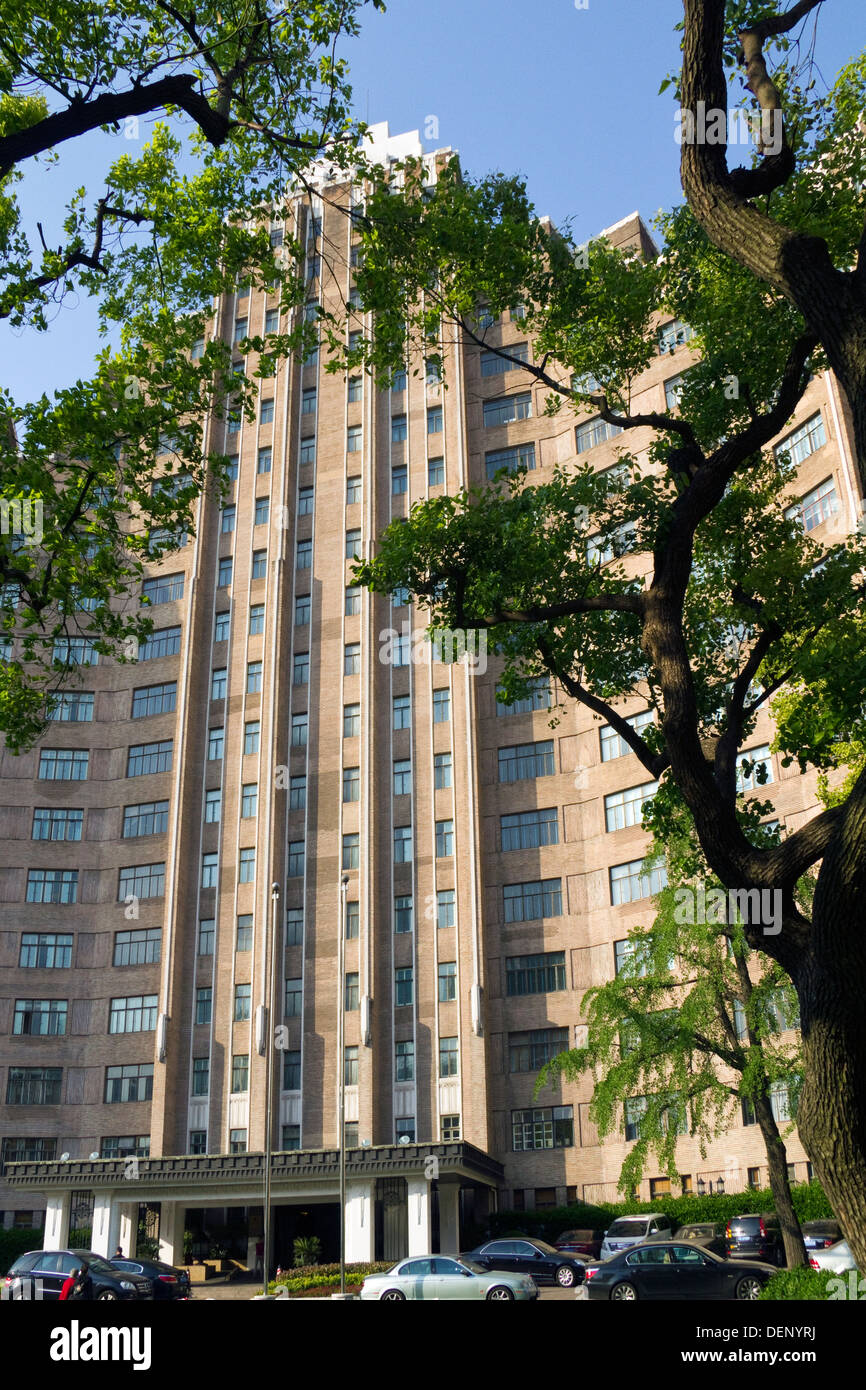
(634, 1230)
(431, 1277)
(837, 1258)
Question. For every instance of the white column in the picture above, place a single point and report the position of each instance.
(57, 1220)
(360, 1232)
(171, 1220)
(106, 1224)
(420, 1234)
(127, 1234)
(449, 1218)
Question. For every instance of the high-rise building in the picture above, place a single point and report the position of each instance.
(283, 726)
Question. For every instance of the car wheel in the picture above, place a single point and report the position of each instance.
(500, 1293)
(624, 1293)
(565, 1276)
(392, 1296)
(750, 1287)
(107, 1296)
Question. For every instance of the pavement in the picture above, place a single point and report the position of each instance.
(243, 1292)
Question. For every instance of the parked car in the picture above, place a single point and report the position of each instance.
(709, 1234)
(836, 1258)
(544, 1263)
(430, 1277)
(584, 1242)
(819, 1235)
(627, 1231)
(674, 1270)
(167, 1281)
(52, 1268)
(755, 1236)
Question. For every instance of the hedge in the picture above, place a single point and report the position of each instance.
(812, 1284)
(17, 1242)
(324, 1277)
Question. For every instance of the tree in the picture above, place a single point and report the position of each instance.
(106, 473)
(738, 603)
(692, 1027)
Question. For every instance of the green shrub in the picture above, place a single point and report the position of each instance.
(81, 1238)
(17, 1242)
(324, 1277)
(307, 1250)
(803, 1283)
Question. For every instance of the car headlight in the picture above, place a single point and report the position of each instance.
(125, 1284)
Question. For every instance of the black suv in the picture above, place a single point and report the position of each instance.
(41, 1274)
(756, 1236)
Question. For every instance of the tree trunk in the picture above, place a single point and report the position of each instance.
(780, 1186)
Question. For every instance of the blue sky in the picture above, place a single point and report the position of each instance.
(566, 97)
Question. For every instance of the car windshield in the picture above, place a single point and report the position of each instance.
(627, 1228)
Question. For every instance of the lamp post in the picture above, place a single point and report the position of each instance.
(341, 1080)
(269, 1085)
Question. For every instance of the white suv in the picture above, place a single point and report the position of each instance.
(631, 1230)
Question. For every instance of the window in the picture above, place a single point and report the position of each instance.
(237, 1141)
(353, 920)
(196, 352)
(209, 870)
(801, 442)
(405, 1129)
(353, 489)
(125, 1146)
(249, 799)
(215, 744)
(260, 564)
(355, 389)
(352, 995)
(351, 784)
(200, 1076)
(628, 882)
(674, 391)
(402, 777)
(145, 758)
(147, 818)
(219, 683)
(294, 926)
(403, 986)
(246, 866)
(35, 1085)
(435, 472)
(232, 465)
(304, 555)
(233, 423)
(494, 365)
(612, 745)
(435, 421)
(251, 736)
(141, 881)
(351, 721)
(240, 1080)
(303, 610)
(266, 410)
(538, 698)
(71, 651)
(291, 1138)
(404, 1061)
(63, 764)
(28, 1150)
(441, 771)
(518, 456)
(399, 429)
(402, 844)
(445, 907)
(403, 913)
(257, 619)
(263, 511)
(206, 935)
(672, 335)
(353, 543)
(212, 806)
(241, 1011)
(306, 501)
(167, 588)
(401, 651)
(531, 1051)
(228, 518)
(143, 946)
(447, 981)
(222, 626)
(399, 480)
(57, 823)
(352, 659)
(398, 381)
(441, 706)
(131, 1082)
(504, 410)
(353, 439)
(444, 839)
(254, 676)
(203, 1004)
(352, 600)
(154, 699)
(541, 974)
(307, 451)
(76, 707)
(52, 886)
(530, 829)
(240, 330)
(39, 1017)
(351, 850)
(402, 712)
(299, 731)
(296, 859)
(135, 1014)
(754, 769)
(551, 1128)
(297, 793)
(308, 401)
(816, 507)
(448, 1057)
(594, 432)
(449, 1128)
(45, 951)
(634, 1109)
(292, 1071)
(625, 808)
(526, 760)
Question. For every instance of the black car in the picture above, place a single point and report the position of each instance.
(41, 1274)
(167, 1281)
(755, 1236)
(819, 1235)
(709, 1234)
(674, 1270)
(543, 1262)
